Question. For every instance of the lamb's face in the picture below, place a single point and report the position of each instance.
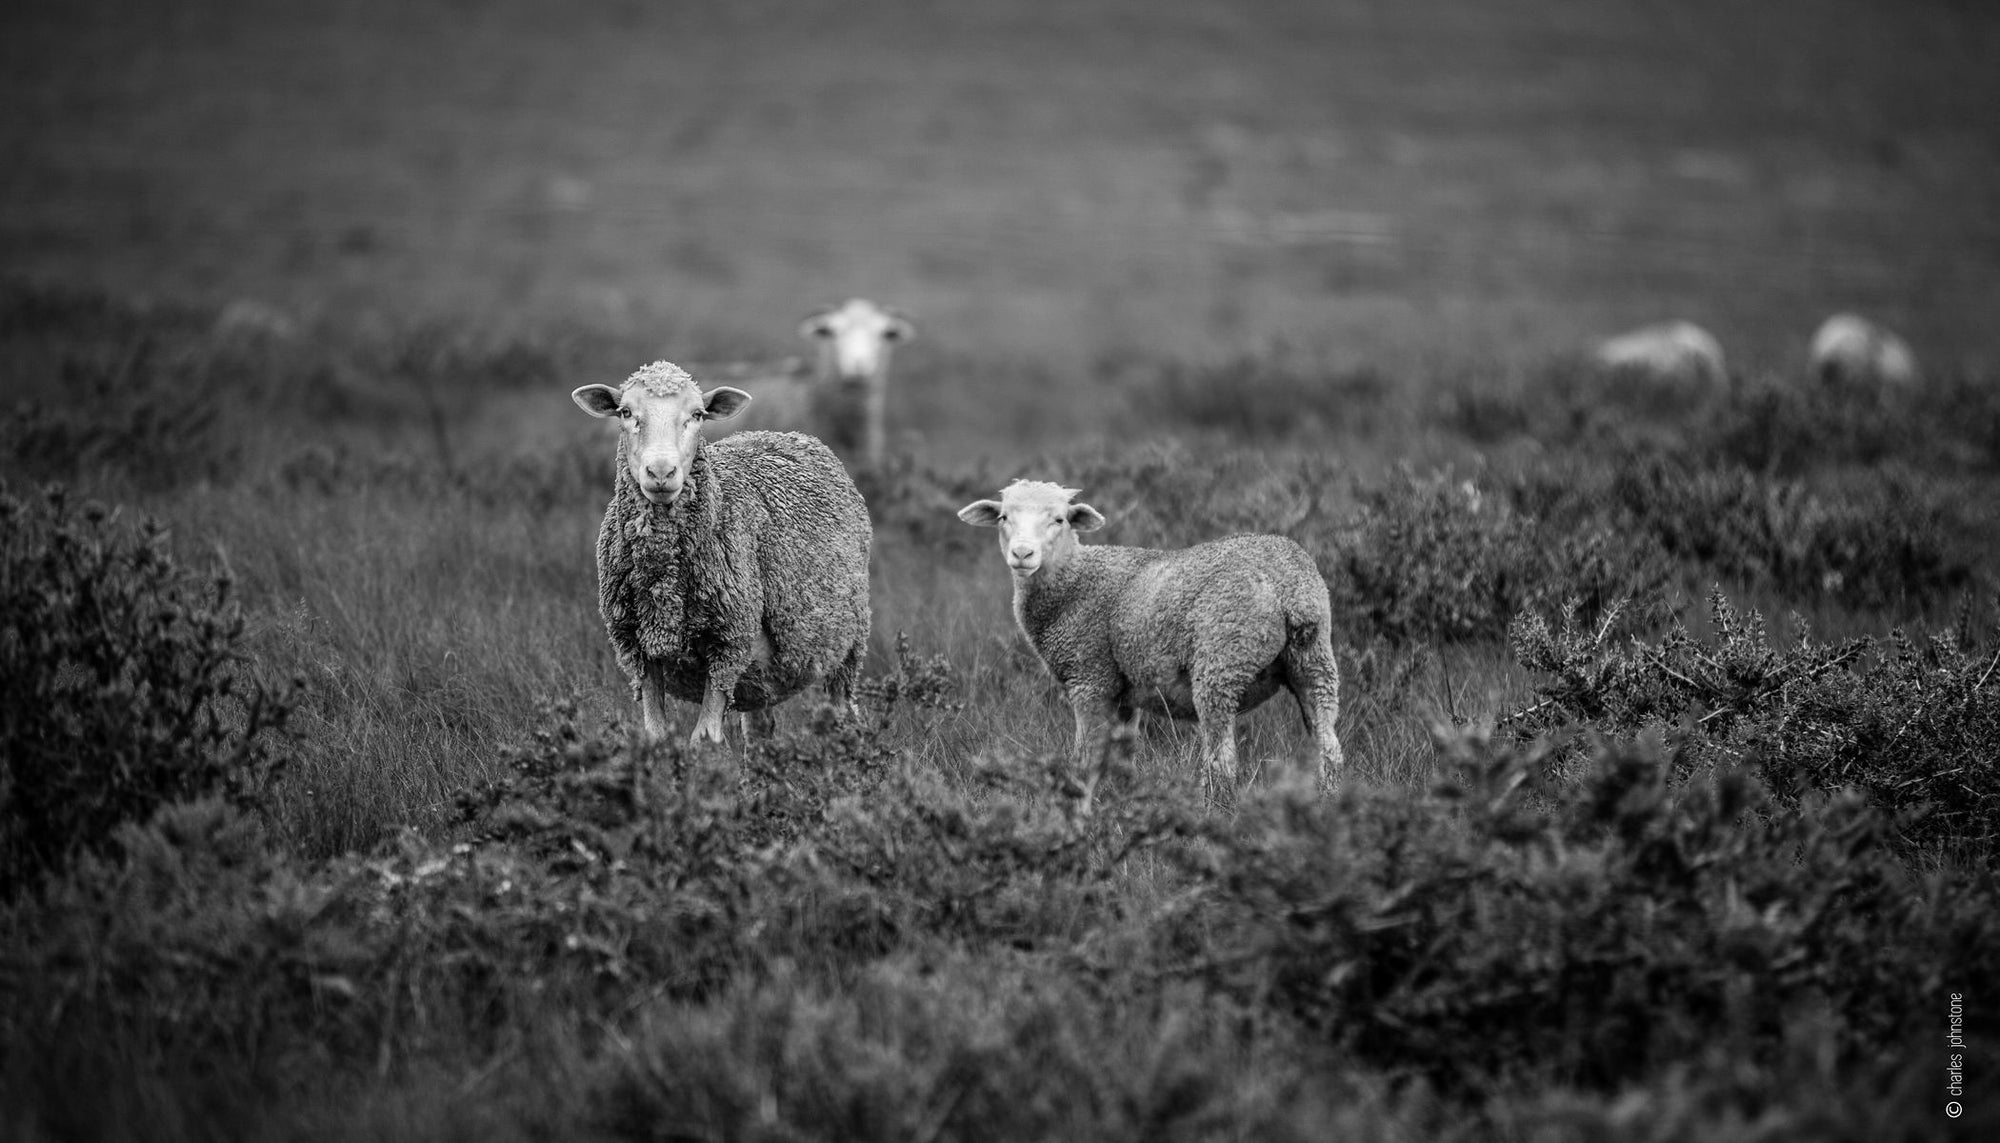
(661, 412)
(1037, 522)
(856, 337)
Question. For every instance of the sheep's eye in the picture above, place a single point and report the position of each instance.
(624, 414)
(822, 331)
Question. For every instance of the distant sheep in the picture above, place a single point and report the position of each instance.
(856, 340)
(1852, 351)
(844, 398)
(734, 573)
(1207, 632)
(1676, 354)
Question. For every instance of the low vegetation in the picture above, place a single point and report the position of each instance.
(1671, 808)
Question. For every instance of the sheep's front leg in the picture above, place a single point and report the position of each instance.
(653, 703)
(714, 700)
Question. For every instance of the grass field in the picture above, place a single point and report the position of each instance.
(1613, 857)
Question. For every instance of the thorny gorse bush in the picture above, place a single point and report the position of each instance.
(123, 685)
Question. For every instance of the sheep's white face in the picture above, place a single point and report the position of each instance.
(855, 338)
(661, 412)
(1037, 522)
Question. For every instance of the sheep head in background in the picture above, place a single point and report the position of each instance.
(856, 340)
(661, 412)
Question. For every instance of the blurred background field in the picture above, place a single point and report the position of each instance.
(1409, 185)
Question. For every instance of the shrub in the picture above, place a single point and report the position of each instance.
(1581, 936)
(132, 410)
(1435, 559)
(122, 683)
(1890, 539)
(1910, 726)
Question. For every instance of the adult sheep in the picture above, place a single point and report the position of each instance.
(1677, 354)
(844, 397)
(733, 573)
(856, 340)
(1850, 350)
(1207, 632)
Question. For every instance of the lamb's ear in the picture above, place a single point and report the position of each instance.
(723, 402)
(899, 327)
(597, 400)
(1084, 518)
(981, 513)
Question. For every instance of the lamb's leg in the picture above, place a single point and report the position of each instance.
(1096, 716)
(1218, 695)
(1313, 676)
(653, 703)
(760, 723)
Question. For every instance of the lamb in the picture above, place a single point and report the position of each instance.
(735, 573)
(1207, 632)
(1851, 350)
(1675, 354)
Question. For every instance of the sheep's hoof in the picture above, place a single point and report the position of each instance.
(706, 733)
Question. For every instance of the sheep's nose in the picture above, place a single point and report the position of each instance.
(663, 472)
(1021, 551)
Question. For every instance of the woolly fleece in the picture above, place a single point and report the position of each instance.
(758, 569)
(1206, 632)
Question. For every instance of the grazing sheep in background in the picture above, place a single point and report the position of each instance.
(734, 573)
(1207, 632)
(1851, 350)
(1676, 354)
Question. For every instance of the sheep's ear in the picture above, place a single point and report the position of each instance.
(900, 327)
(1084, 518)
(981, 513)
(597, 400)
(723, 402)
(815, 324)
